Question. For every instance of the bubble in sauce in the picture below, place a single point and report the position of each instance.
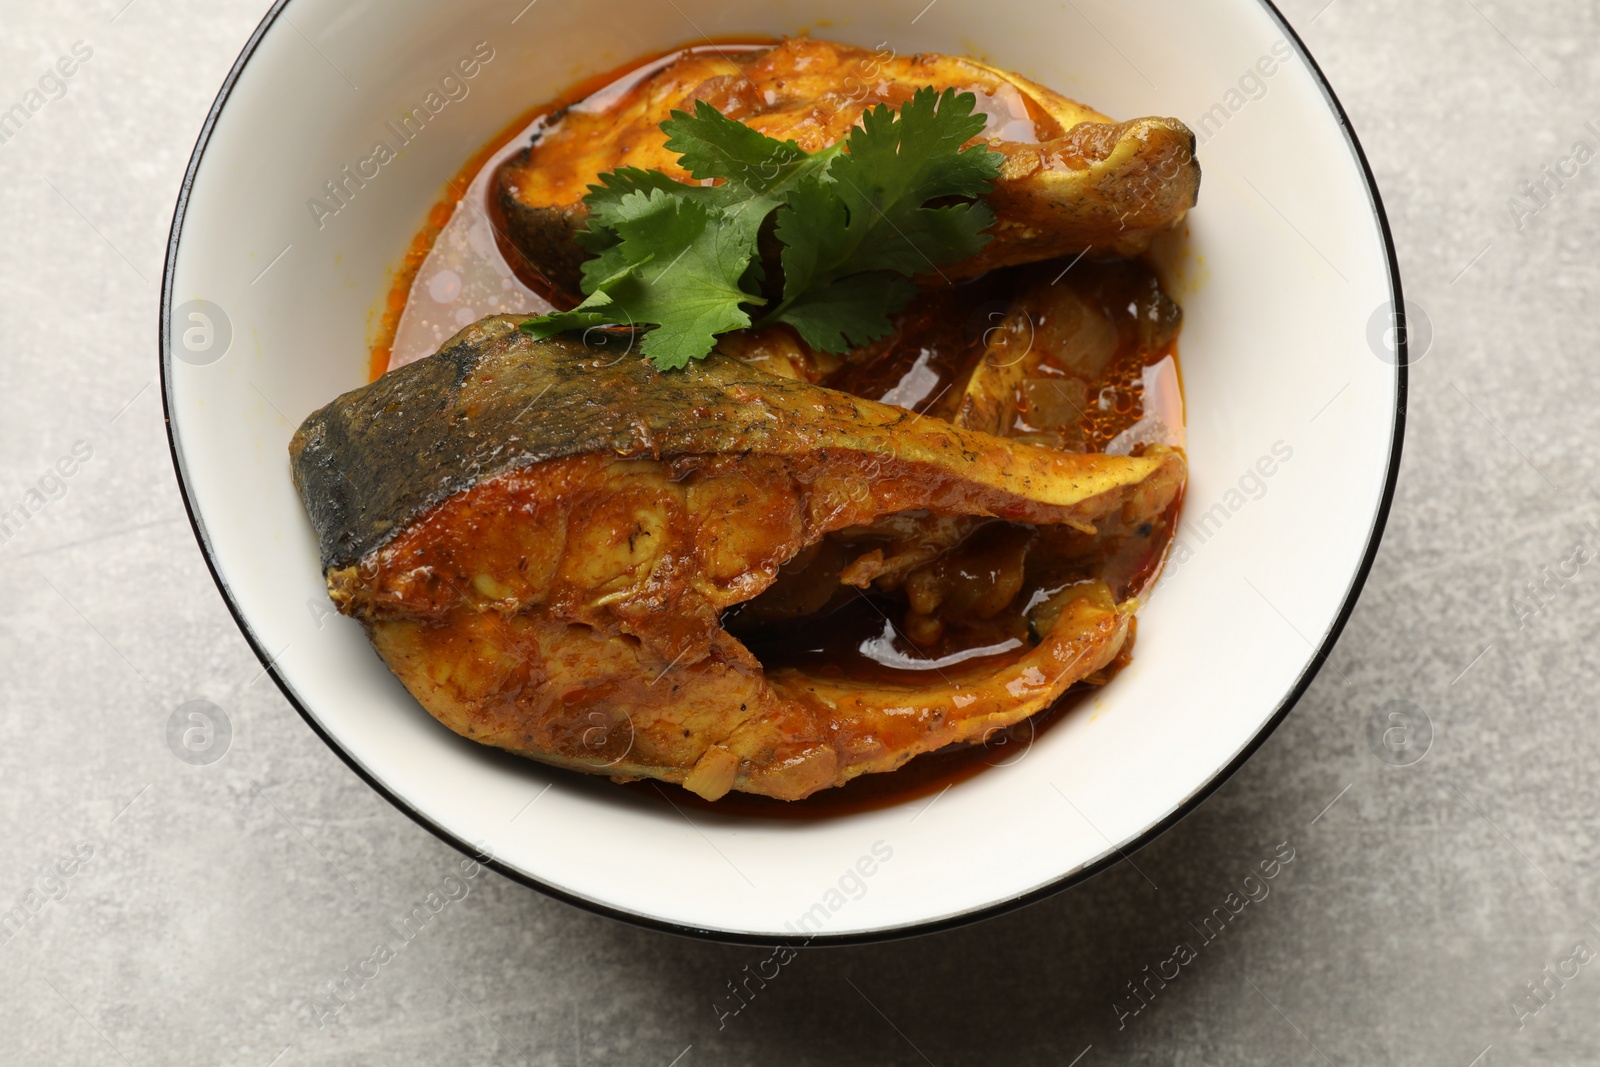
(445, 286)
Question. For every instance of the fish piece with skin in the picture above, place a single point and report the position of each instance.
(1072, 180)
(541, 538)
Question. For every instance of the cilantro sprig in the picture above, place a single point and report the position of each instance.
(856, 222)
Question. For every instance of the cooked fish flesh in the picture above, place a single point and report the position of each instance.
(1073, 180)
(545, 543)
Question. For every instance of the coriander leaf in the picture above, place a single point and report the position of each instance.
(676, 265)
(850, 312)
(610, 203)
(604, 201)
(614, 260)
(814, 230)
(871, 215)
(853, 227)
(582, 317)
(896, 166)
(756, 172)
(713, 146)
(920, 147)
(690, 288)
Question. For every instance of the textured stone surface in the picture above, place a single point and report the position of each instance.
(218, 898)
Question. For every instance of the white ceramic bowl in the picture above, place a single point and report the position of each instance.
(1287, 285)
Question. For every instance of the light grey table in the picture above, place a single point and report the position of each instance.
(1439, 913)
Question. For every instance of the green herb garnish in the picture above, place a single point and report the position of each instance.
(856, 222)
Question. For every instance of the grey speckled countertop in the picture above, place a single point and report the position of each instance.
(1444, 913)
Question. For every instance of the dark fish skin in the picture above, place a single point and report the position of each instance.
(428, 430)
(545, 240)
(399, 433)
(495, 400)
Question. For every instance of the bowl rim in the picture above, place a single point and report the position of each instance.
(975, 915)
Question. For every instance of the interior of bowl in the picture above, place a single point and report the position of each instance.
(271, 307)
